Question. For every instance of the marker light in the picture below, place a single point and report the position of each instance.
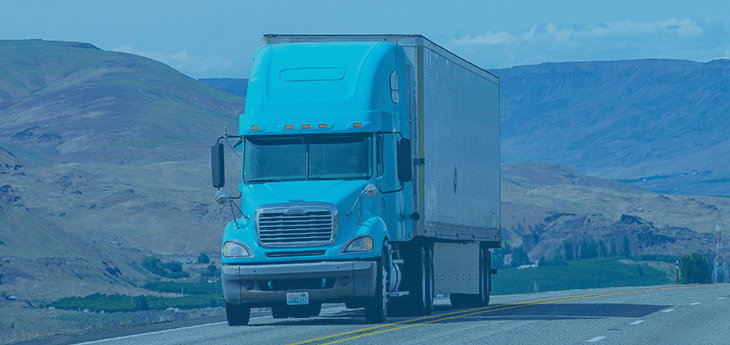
(289, 126)
(306, 126)
(322, 125)
(357, 124)
(254, 128)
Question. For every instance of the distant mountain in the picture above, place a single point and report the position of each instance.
(544, 205)
(660, 124)
(233, 86)
(104, 159)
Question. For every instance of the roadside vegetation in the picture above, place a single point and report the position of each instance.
(577, 274)
(591, 264)
(116, 303)
(203, 290)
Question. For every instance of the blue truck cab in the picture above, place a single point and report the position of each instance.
(327, 210)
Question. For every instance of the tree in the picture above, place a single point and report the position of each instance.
(174, 266)
(613, 252)
(203, 258)
(626, 250)
(519, 257)
(498, 258)
(695, 269)
(568, 248)
(602, 247)
(142, 303)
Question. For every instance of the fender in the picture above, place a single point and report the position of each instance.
(375, 227)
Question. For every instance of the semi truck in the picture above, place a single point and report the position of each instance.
(370, 177)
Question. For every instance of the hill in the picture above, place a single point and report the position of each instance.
(104, 159)
(234, 86)
(544, 205)
(660, 124)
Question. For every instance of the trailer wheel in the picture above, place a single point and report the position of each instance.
(237, 315)
(377, 311)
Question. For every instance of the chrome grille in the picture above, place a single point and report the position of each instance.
(296, 224)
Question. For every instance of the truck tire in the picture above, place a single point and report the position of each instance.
(422, 292)
(237, 315)
(377, 310)
(459, 300)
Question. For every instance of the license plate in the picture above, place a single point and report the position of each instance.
(297, 298)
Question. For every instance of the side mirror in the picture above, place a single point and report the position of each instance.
(218, 168)
(405, 167)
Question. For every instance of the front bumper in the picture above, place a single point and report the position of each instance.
(341, 281)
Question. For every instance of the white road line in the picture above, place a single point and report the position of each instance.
(636, 322)
(667, 310)
(595, 339)
(695, 303)
(150, 333)
(721, 298)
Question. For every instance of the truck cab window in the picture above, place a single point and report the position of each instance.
(333, 157)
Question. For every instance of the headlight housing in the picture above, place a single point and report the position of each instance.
(235, 249)
(360, 244)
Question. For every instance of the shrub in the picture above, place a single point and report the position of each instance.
(203, 259)
(154, 265)
(199, 288)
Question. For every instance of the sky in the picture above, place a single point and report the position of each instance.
(217, 39)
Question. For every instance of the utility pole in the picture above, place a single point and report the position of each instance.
(720, 266)
(677, 272)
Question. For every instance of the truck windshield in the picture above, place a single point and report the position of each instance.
(332, 157)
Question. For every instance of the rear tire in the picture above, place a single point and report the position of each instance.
(237, 315)
(377, 310)
(421, 293)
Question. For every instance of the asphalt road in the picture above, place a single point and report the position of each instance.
(655, 315)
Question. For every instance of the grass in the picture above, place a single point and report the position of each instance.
(582, 274)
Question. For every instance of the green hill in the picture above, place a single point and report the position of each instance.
(104, 159)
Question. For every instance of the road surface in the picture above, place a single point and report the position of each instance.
(655, 315)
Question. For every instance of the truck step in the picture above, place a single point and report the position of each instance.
(398, 294)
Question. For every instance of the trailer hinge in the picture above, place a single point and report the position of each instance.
(419, 161)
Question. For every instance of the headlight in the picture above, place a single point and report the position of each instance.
(235, 249)
(358, 245)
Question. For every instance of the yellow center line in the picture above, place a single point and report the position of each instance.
(470, 312)
(557, 299)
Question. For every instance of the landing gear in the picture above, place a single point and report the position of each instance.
(237, 315)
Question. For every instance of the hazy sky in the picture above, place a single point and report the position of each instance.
(217, 38)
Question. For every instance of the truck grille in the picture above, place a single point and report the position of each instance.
(296, 224)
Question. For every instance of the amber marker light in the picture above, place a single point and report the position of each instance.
(254, 128)
(357, 124)
(306, 126)
(322, 125)
(289, 127)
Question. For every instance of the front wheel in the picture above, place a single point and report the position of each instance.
(377, 310)
(237, 315)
